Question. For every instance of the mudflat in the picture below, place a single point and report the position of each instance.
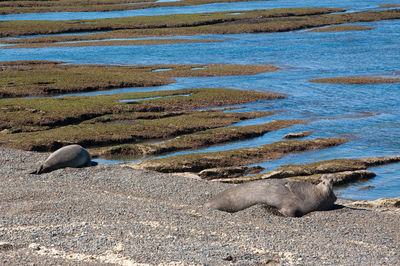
(112, 214)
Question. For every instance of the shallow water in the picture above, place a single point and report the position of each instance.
(302, 56)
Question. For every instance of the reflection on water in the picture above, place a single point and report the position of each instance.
(302, 56)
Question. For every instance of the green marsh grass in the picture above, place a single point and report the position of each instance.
(184, 22)
(197, 162)
(30, 78)
(341, 28)
(198, 139)
(44, 124)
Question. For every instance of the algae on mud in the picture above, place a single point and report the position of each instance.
(45, 124)
(357, 80)
(17, 7)
(258, 21)
(197, 162)
(152, 24)
(33, 78)
(341, 28)
(196, 140)
(125, 131)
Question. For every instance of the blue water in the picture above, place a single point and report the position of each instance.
(302, 56)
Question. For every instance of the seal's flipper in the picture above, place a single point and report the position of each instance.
(38, 170)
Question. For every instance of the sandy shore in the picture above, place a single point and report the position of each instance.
(111, 214)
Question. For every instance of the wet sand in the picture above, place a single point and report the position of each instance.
(111, 214)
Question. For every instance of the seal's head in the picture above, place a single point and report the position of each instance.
(328, 180)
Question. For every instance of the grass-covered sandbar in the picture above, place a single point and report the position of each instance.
(341, 28)
(197, 140)
(257, 21)
(164, 25)
(45, 124)
(17, 7)
(33, 78)
(357, 80)
(197, 162)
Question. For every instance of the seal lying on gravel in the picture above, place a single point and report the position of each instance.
(291, 198)
(68, 156)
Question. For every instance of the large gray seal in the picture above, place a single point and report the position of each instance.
(68, 156)
(291, 198)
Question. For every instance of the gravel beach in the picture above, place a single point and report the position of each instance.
(108, 214)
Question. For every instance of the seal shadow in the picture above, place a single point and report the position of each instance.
(274, 211)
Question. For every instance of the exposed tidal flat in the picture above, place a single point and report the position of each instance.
(206, 99)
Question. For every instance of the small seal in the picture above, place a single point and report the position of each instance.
(291, 198)
(68, 156)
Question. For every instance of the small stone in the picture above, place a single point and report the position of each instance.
(298, 135)
(228, 258)
(34, 246)
(119, 247)
(5, 246)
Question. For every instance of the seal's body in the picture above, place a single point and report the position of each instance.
(291, 198)
(68, 156)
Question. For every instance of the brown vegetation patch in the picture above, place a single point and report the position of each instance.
(366, 188)
(32, 78)
(197, 162)
(356, 80)
(341, 28)
(389, 5)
